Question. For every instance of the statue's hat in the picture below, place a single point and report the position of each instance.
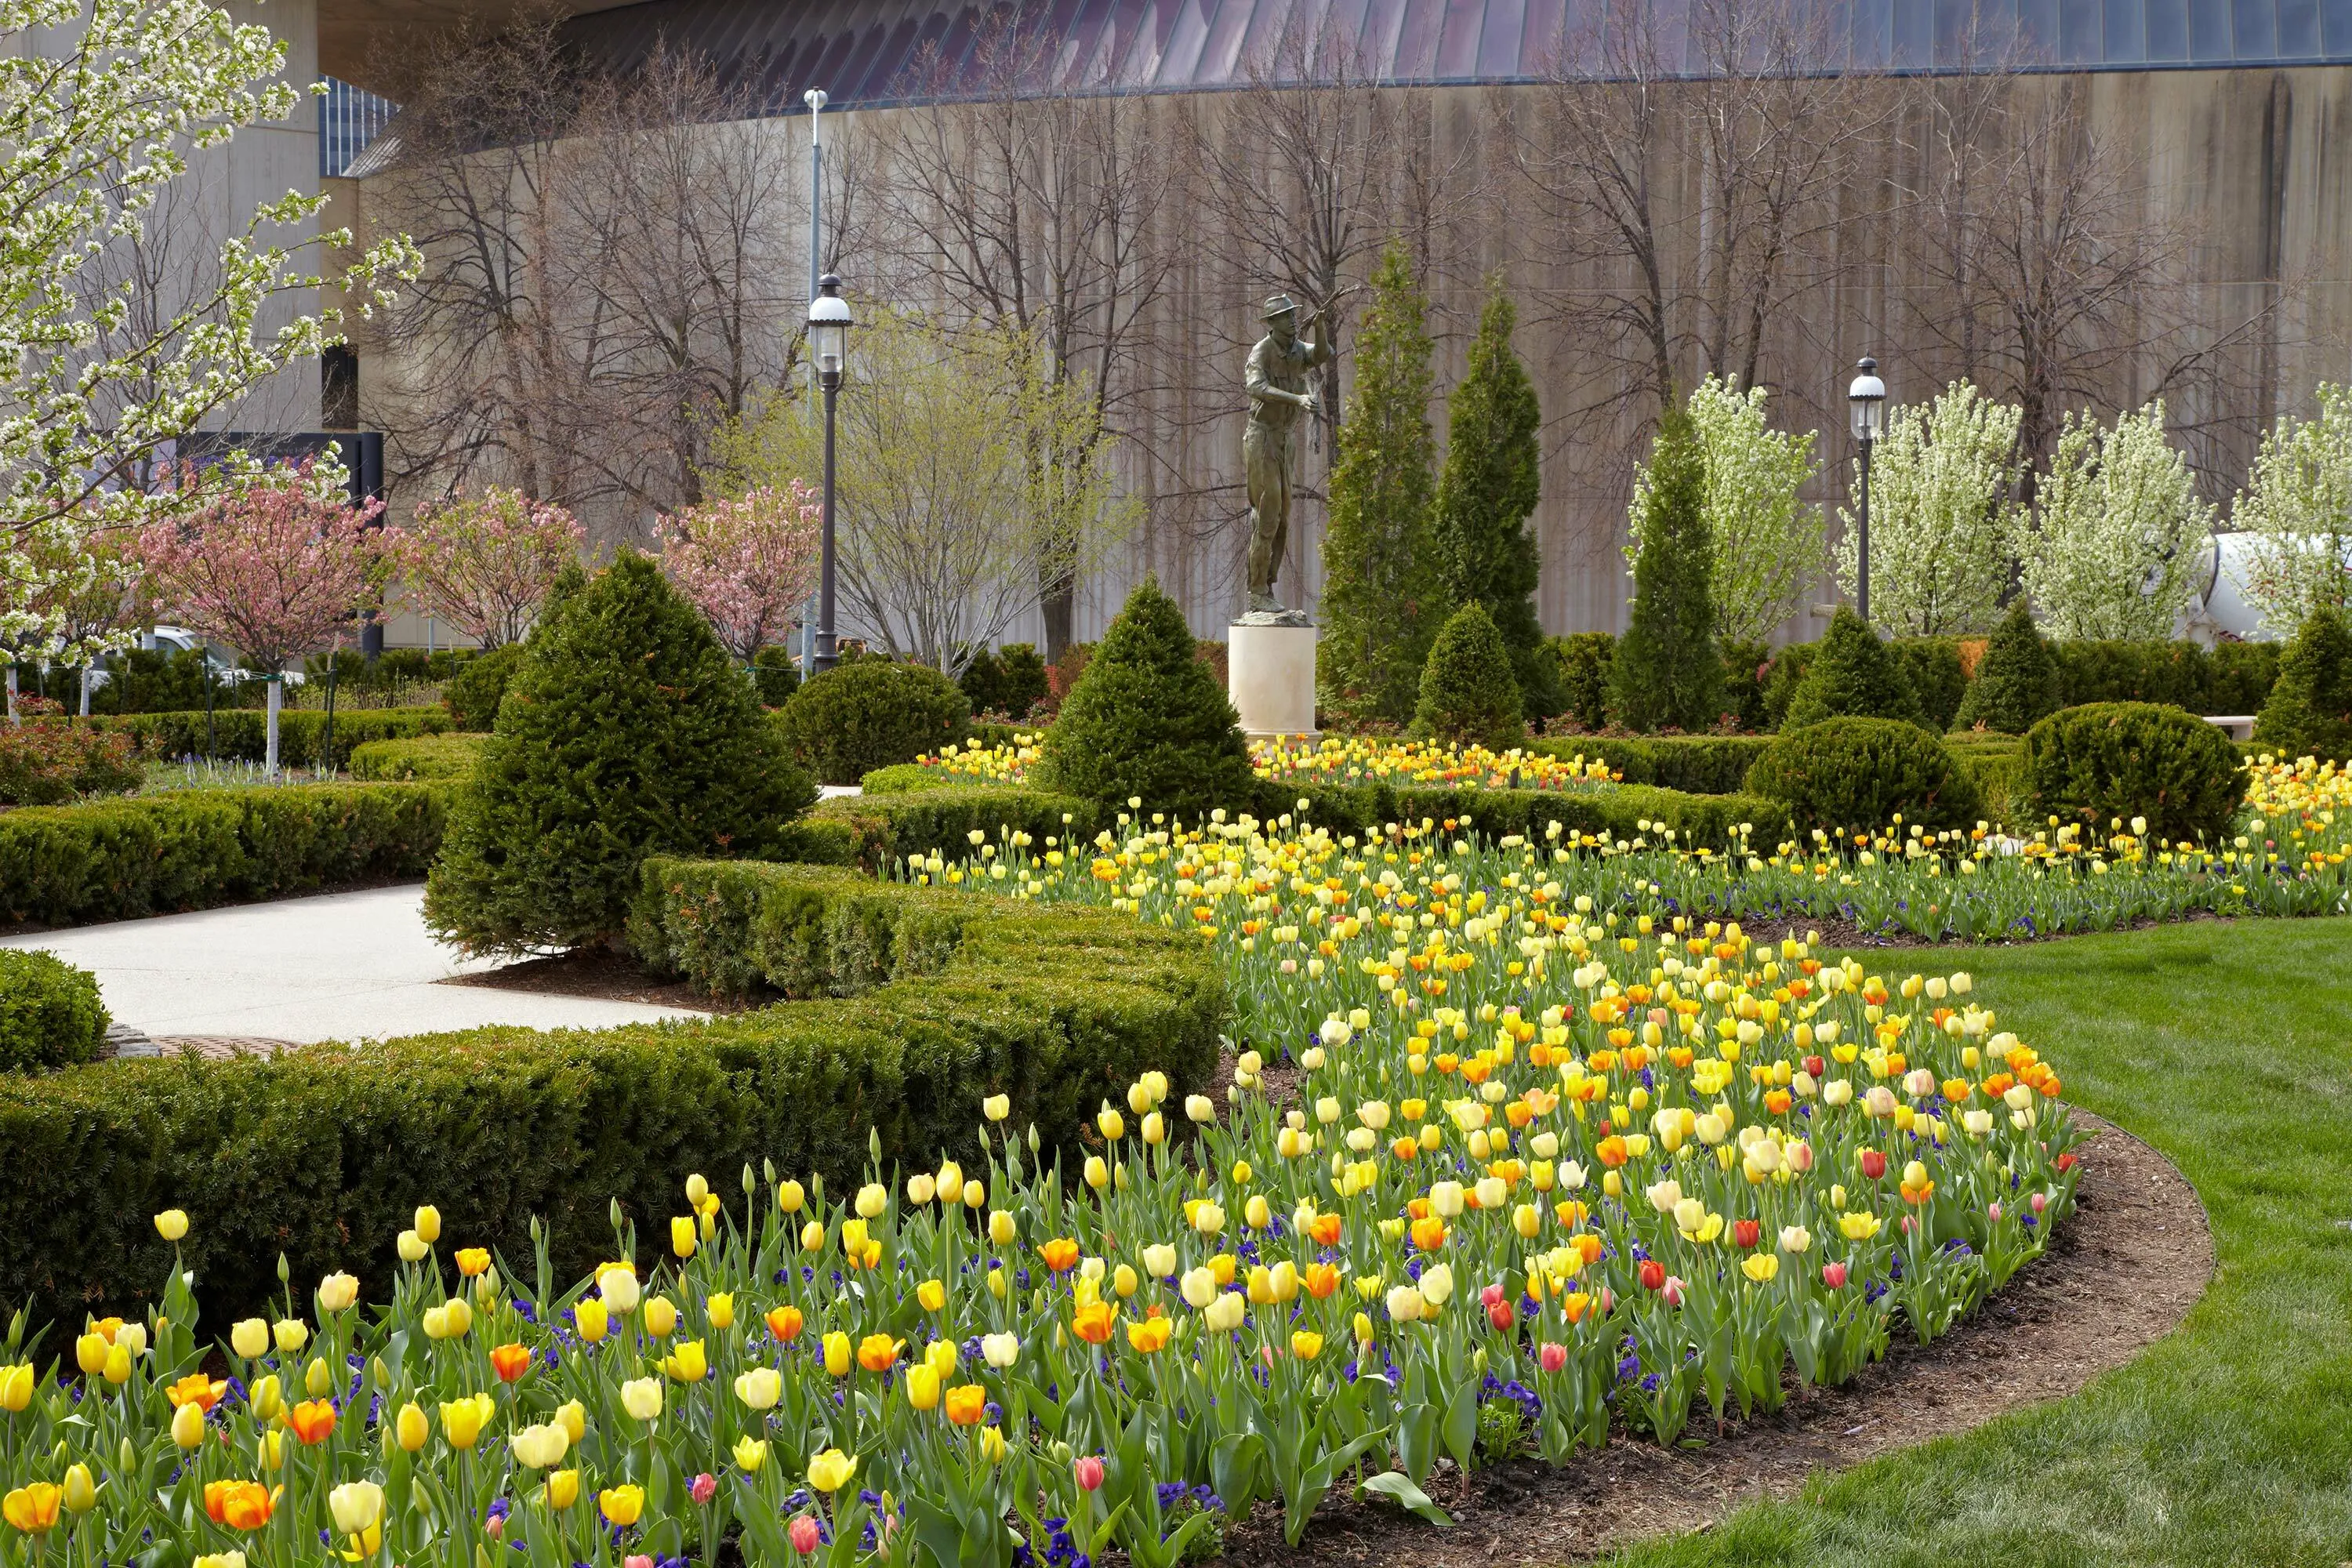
(1280, 305)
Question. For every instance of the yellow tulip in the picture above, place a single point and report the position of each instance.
(1760, 1267)
(642, 1398)
(682, 1239)
(540, 1447)
(591, 1320)
(1306, 1345)
(317, 1381)
(759, 1388)
(409, 1428)
(661, 1316)
(922, 1387)
(836, 1353)
(750, 1455)
(687, 1363)
(89, 1354)
(932, 1294)
(268, 1399)
(291, 1334)
(791, 1196)
(991, 1445)
(338, 1292)
(357, 1507)
(32, 1509)
(172, 1224)
(462, 1420)
(188, 1426)
(1001, 1227)
(562, 1489)
(830, 1470)
(572, 1417)
(80, 1490)
(412, 1247)
(622, 1506)
(428, 1225)
(249, 1339)
(721, 1309)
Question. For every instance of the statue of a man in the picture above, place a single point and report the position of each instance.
(1277, 385)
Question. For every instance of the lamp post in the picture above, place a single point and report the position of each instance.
(1866, 400)
(828, 334)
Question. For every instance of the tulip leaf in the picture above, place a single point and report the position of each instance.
(1398, 1488)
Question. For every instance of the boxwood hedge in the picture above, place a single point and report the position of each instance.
(242, 734)
(323, 1154)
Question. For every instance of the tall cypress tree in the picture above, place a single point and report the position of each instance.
(1487, 554)
(1667, 673)
(1380, 580)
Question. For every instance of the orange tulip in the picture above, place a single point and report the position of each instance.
(473, 1260)
(1429, 1235)
(966, 1404)
(1093, 1322)
(1060, 1254)
(875, 1353)
(510, 1362)
(1325, 1230)
(1322, 1279)
(1150, 1336)
(1611, 1151)
(312, 1420)
(784, 1323)
(240, 1505)
(195, 1389)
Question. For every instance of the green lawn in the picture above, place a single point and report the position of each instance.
(2229, 1048)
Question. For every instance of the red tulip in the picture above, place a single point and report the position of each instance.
(1551, 1358)
(1654, 1274)
(2067, 1162)
(1874, 1163)
(1746, 1232)
(805, 1534)
(1813, 1066)
(1833, 1276)
(1500, 1315)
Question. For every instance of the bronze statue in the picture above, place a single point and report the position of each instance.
(1278, 393)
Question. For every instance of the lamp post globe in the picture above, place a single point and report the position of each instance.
(1865, 400)
(829, 345)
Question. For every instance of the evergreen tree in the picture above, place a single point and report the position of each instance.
(2017, 683)
(2309, 712)
(1148, 720)
(1469, 693)
(1853, 675)
(1380, 587)
(626, 731)
(1486, 555)
(1667, 673)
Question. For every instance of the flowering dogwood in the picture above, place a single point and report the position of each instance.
(1941, 517)
(93, 388)
(2298, 506)
(2116, 542)
(747, 563)
(1767, 542)
(273, 569)
(484, 564)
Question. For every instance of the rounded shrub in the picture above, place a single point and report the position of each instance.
(847, 721)
(775, 675)
(2093, 764)
(1851, 675)
(1147, 720)
(479, 685)
(1469, 693)
(2017, 682)
(1857, 774)
(51, 1013)
(2309, 710)
(626, 731)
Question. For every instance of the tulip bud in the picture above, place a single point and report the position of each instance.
(80, 1490)
(269, 1401)
(187, 1425)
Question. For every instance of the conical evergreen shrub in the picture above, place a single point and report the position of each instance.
(626, 731)
(2309, 711)
(1148, 721)
(1852, 674)
(1469, 695)
(1667, 673)
(2017, 683)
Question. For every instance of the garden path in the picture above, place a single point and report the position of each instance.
(338, 966)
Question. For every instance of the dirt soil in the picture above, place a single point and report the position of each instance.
(2120, 1273)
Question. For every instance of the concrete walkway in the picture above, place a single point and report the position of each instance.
(340, 966)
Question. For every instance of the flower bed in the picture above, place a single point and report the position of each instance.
(1351, 760)
(1527, 1200)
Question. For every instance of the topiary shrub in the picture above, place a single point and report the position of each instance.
(2309, 711)
(626, 731)
(1747, 670)
(2108, 761)
(845, 721)
(475, 691)
(1469, 695)
(1147, 720)
(1932, 668)
(1011, 680)
(2017, 680)
(1856, 775)
(774, 675)
(2239, 677)
(51, 1014)
(1668, 674)
(1581, 661)
(1789, 666)
(1851, 675)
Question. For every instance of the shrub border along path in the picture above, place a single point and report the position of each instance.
(927, 1001)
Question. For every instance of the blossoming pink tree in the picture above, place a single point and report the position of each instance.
(749, 563)
(273, 571)
(484, 564)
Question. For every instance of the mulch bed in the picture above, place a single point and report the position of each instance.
(607, 976)
(2120, 1273)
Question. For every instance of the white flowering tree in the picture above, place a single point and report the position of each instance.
(1941, 517)
(2115, 545)
(1767, 542)
(95, 130)
(2297, 504)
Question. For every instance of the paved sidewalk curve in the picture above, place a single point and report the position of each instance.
(339, 966)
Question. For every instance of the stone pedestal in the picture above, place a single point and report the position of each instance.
(1270, 674)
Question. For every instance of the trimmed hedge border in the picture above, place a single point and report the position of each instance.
(1693, 765)
(243, 734)
(324, 1153)
(444, 756)
(153, 855)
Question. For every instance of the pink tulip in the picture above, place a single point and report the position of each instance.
(1551, 1358)
(703, 1488)
(1089, 1471)
(638, 1561)
(1608, 1301)
(804, 1535)
(1833, 1276)
(1674, 1290)
(1992, 1212)
(2039, 1201)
